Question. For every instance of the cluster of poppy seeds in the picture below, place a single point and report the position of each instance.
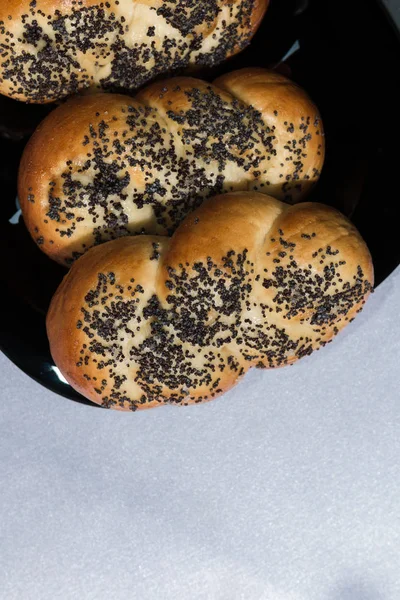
(207, 326)
(56, 54)
(170, 163)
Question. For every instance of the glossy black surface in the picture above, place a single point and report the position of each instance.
(348, 61)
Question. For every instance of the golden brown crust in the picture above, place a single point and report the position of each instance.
(256, 17)
(297, 122)
(103, 166)
(57, 140)
(245, 281)
(52, 49)
(122, 257)
(260, 8)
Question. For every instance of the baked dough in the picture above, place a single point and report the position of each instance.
(245, 281)
(106, 166)
(50, 49)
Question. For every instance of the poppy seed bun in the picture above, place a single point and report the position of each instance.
(50, 49)
(245, 281)
(105, 166)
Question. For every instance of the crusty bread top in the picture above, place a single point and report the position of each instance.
(104, 166)
(50, 49)
(245, 281)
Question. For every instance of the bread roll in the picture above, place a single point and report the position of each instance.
(105, 166)
(245, 281)
(50, 49)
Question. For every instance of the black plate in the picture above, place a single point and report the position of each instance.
(346, 54)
